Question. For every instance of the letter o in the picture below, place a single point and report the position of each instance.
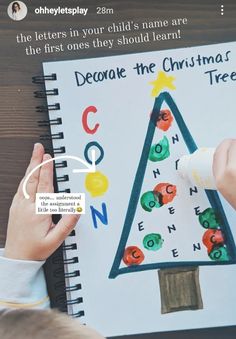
(93, 144)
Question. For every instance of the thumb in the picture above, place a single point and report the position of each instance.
(61, 230)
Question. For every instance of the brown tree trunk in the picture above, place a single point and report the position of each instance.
(180, 289)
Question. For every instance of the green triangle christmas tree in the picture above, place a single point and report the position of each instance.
(169, 223)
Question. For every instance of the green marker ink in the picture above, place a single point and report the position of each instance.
(219, 254)
(209, 219)
(153, 241)
(160, 151)
(149, 200)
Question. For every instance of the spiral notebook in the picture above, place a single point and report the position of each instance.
(152, 252)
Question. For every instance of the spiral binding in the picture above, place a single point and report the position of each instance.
(61, 164)
(57, 150)
(58, 262)
(60, 271)
(44, 94)
(52, 122)
(70, 247)
(47, 108)
(59, 135)
(40, 79)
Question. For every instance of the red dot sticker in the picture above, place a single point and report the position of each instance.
(212, 238)
(165, 120)
(167, 190)
(133, 256)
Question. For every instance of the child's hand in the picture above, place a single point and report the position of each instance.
(32, 236)
(224, 169)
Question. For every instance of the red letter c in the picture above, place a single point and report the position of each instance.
(89, 109)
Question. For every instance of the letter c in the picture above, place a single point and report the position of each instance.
(89, 109)
(165, 68)
(212, 239)
(135, 256)
(168, 190)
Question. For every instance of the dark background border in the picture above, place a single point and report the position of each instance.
(18, 127)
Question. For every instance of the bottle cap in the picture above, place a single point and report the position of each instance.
(197, 168)
(183, 166)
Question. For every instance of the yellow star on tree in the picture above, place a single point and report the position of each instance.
(162, 81)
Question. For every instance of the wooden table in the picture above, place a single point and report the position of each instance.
(19, 129)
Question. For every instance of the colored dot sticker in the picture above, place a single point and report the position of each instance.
(153, 241)
(96, 183)
(133, 255)
(165, 120)
(160, 151)
(167, 191)
(150, 200)
(219, 254)
(209, 219)
(212, 238)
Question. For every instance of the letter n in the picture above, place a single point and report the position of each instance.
(102, 216)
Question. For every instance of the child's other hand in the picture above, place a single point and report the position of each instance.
(224, 169)
(32, 236)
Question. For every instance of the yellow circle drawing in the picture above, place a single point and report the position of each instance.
(79, 209)
(96, 183)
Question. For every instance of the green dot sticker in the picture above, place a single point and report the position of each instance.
(153, 241)
(150, 200)
(209, 219)
(219, 254)
(160, 151)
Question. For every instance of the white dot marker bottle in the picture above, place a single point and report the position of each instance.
(197, 168)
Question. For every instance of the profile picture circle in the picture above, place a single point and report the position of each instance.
(17, 10)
